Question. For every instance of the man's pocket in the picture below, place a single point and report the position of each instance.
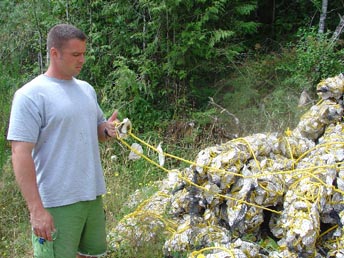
(42, 248)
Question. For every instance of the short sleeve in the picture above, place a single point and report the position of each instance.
(25, 119)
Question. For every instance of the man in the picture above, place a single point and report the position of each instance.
(54, 129)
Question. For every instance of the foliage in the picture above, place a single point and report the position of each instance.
(5, 90)
(260, 96)
(159, 60)
(267, 87)
(166, 50)
(313, 58)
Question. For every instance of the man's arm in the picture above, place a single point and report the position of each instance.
(24, 170)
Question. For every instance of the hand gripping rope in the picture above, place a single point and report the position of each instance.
(123, 128)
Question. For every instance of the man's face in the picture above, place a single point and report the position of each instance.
(70, 59)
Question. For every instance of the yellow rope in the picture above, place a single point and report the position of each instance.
(328, 230)
(193, 254)
(304, 171)
(188, 180)
(311, 197)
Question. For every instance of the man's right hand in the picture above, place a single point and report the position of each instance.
(42, 223)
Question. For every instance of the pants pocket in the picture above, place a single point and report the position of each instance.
(42, 248)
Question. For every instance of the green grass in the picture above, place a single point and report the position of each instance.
(14, 218)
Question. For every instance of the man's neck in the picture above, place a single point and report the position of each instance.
(51, 73)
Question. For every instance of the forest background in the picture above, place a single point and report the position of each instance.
(188, 73)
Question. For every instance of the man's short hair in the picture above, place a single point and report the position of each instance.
(61, 33)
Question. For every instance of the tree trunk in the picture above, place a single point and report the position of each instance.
(339, 29)
(323, 16)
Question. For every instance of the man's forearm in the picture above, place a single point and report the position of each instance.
(41, 220)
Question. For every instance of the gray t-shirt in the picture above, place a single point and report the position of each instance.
(61, 117)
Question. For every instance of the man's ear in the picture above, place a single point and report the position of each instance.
(53, 52)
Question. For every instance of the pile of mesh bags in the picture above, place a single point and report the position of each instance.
(264, 195)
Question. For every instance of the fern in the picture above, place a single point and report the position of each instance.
(246, 9)
(246, 27)
(220, 35)
(214, 11)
